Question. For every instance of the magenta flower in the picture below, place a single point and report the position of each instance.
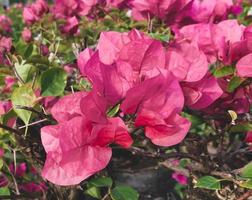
(78, 147)
(5, 24)
(180, 178)
(156, 103)
(202, 93)
(20, 169)
(26, 35)
(71, 26)
(3, 180)
(186, 61)
(33, 187)
(248, 138)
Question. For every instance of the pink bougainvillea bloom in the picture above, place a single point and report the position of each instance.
(34, 11)
(117, 3)
(32, 187)
(5, 24)
(77, 149)
(71, 26)
(40, 7)
(85, 6)
(29, 15)
(44, 50)
(110, 44)
(248, 138)
(9, 82)
(110, 81)
(225, 34)
(5, 106)
(20, 169)
(5, 44)
(180, 178)
(244, 66)
(78, 146)
(145, 56)
(186, 62)
(202, 93)
(202, 35)
(65, 8)
(26, 35)
(156, 102)
(3, 180)
(231, 101)
(61, 110)
(1, 152)
(83, 58)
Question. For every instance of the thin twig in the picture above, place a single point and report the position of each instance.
(246, 195)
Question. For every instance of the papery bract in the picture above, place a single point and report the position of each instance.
(244, 66)
(203, 93)
(26, 35)
(180, 178)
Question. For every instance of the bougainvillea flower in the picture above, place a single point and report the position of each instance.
(83, 58)
(110, 81)
(186, 62)
(248, 138)
(61, 111)
(20, 169)
(202, 93)
(5, 24)
(26, 35)
(34, 11)
(29, 15)
(1, 152)
(201, 34)
(33, 187)
(225, 34)
(164, 9)
(71, 26)
(5, 106)
(110, 44)
(64, 8)
(3, 180)
(180, 178)
(244, 66)
(206, 11)
(156, 102)
(78, 148)
(231, 101)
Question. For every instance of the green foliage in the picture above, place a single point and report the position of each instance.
(101, 182)
(124, 193)
(23, 96)
(234, 83)
(208, 182)
(223, 71)
(53, 82)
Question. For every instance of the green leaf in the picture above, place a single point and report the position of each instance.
(246, 184)
(101, 182)
(234, 83)
(4, 191)
(113, 111)
(23, 96)
(224, 71)
(242, 127)
(246, 171)
(208, 182)
(24, 70)
(94, 192)
(53, 82)
(28, 51)
(1, 163)
(124, 193)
